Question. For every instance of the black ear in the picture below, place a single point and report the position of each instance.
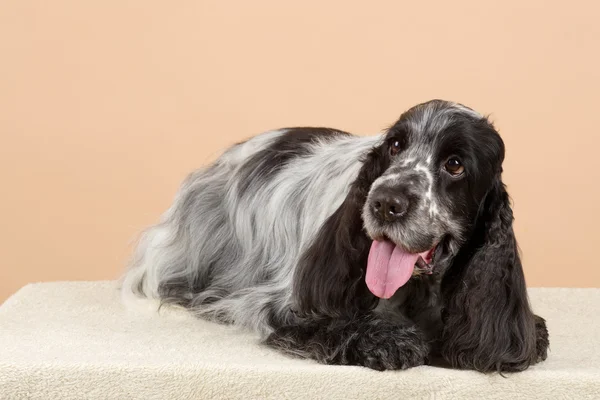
(488, 321)
(329, 280)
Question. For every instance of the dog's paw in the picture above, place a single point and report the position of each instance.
(384, 346)
(365, 341)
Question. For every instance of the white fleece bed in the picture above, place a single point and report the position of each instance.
(75, 340)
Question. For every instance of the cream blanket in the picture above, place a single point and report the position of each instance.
(75, 340)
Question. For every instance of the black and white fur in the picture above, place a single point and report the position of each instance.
(274, 237)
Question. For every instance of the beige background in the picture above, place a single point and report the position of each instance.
(106, 105)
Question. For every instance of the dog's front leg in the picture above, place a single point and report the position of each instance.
(368, 340)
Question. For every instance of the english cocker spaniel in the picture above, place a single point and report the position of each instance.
(385, 251)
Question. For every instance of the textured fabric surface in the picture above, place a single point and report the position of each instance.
(75, 340)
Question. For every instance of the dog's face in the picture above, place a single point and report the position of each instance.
(442, 161)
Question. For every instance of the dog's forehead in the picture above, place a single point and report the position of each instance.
(426, 124)
(426, 121)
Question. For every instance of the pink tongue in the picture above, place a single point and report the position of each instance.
(388, 268)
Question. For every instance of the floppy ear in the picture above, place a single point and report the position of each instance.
(329, 280)
(488, 323)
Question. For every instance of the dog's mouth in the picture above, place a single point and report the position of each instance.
(389, 267)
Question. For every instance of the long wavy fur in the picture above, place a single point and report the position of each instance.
(488, 323)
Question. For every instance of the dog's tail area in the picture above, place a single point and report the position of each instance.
(172, 260)
(153, 253)
(159, 256)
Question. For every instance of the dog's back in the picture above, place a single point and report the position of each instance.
(229, 245)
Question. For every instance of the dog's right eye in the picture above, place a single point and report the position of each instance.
(395, 147)
(454, 166)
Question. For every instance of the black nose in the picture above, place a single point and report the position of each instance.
(388, 207)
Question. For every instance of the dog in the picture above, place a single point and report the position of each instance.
(385, 251)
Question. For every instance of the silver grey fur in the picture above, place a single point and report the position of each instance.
(246, 237)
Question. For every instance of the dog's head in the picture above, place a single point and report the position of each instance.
(441, 160)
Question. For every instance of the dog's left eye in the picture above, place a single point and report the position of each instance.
(395, 147)
(454, 166)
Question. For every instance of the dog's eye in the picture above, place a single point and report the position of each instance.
(454, 166)
(395, 147)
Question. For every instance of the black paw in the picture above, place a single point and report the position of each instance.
(384, 346)
(542, 340)
(364, 341)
